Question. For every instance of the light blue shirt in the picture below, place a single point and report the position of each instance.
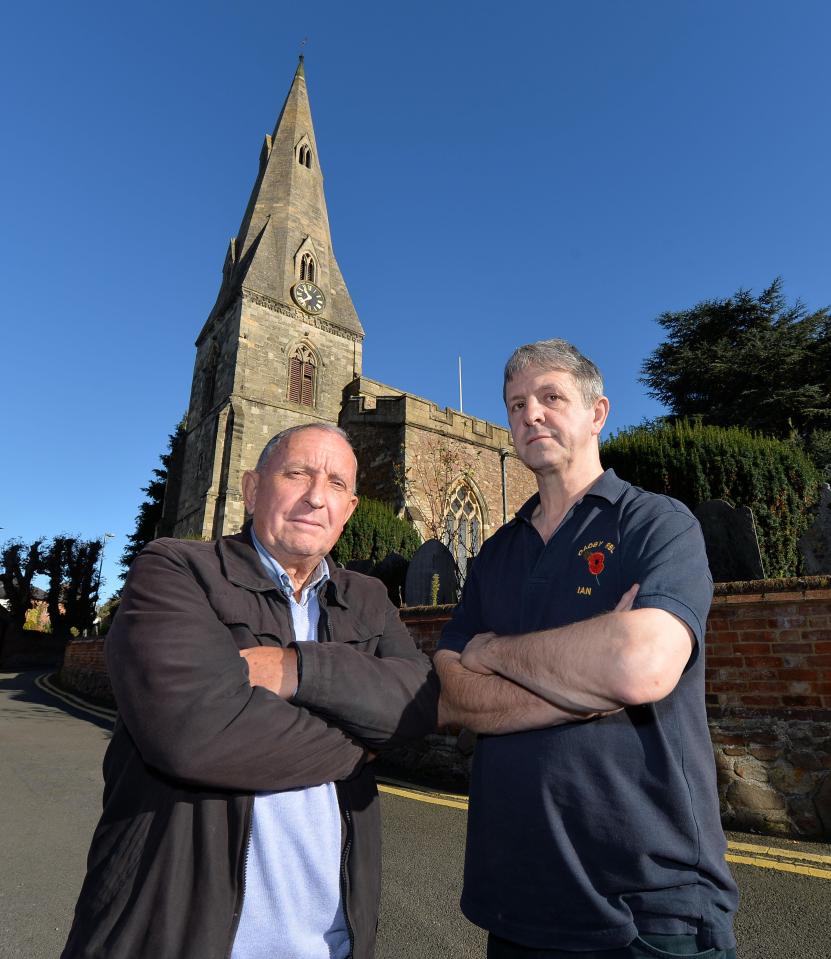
(292, 906)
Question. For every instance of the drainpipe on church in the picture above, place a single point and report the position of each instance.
(503, 455)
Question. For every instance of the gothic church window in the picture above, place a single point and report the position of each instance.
(302, 373)
(463, 527)
(308, 268)
(304, 156)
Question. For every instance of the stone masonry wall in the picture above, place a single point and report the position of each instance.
(768, 690)
(768, 693)
(381, 421)
(84, 670)
(252, 404)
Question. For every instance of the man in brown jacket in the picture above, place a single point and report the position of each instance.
(254, 681)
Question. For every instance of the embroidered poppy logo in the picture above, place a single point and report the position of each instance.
(596, 563)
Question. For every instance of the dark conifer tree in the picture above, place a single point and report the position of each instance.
(753, 362)
(151, 511)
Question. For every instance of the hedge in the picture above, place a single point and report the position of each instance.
(694, 463)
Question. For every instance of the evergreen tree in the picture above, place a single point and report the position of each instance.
(150, 514)
(373, 532)
(753, 362)
(694, 463)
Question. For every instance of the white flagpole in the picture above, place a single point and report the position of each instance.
(461, 408)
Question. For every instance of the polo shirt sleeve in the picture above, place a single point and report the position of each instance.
(665, 554)
(466, 620)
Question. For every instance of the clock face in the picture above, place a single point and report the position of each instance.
(308, 297)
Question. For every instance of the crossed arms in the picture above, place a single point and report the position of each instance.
(196, 713)
(505, 684)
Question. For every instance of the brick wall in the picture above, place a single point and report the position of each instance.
(440, 757)
(768, 692)
(768, 689)
(425, 624)
(84, 670)
(770, 650)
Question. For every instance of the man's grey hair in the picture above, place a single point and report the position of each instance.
(556, 355)
(278, 438)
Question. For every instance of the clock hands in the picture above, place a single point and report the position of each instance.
(308, 297)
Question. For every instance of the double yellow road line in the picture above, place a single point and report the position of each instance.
(784, 860)
(763, 857)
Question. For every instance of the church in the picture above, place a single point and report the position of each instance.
(283, 346)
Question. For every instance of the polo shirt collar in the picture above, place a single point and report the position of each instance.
(608, 486)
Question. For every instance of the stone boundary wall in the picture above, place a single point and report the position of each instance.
(84, 670)
(768, 691)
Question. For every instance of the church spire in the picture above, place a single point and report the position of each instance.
(284, 236)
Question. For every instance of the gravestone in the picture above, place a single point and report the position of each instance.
(392, 571)
(430, 558)
(815, 542)
(730, 538)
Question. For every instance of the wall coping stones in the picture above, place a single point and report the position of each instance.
(759, 590)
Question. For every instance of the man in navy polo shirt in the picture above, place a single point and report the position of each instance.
(576, 653)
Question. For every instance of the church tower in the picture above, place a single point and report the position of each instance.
(283, 339)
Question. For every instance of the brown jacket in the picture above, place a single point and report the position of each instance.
(194, 741)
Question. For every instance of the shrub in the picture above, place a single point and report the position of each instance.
(373, 532)
(818, 447)
(694, 463)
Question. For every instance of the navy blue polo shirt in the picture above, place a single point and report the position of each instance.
(582, 835)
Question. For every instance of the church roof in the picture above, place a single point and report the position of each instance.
(286, 217)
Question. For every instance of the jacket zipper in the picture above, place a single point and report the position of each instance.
(344, 855)
(249, 818)
(347, 815)
(324, 619)
(249, 815)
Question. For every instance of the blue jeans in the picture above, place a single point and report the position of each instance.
(647, 946)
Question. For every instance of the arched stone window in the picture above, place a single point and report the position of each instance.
(302, 373)
(308, 267)
(304, 156)
(463, 526)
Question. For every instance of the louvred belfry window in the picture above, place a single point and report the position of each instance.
(302, 377)
(307, 267)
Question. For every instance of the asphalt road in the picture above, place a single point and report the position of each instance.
(50, 788)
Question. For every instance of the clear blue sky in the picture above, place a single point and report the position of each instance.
(495, 173)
